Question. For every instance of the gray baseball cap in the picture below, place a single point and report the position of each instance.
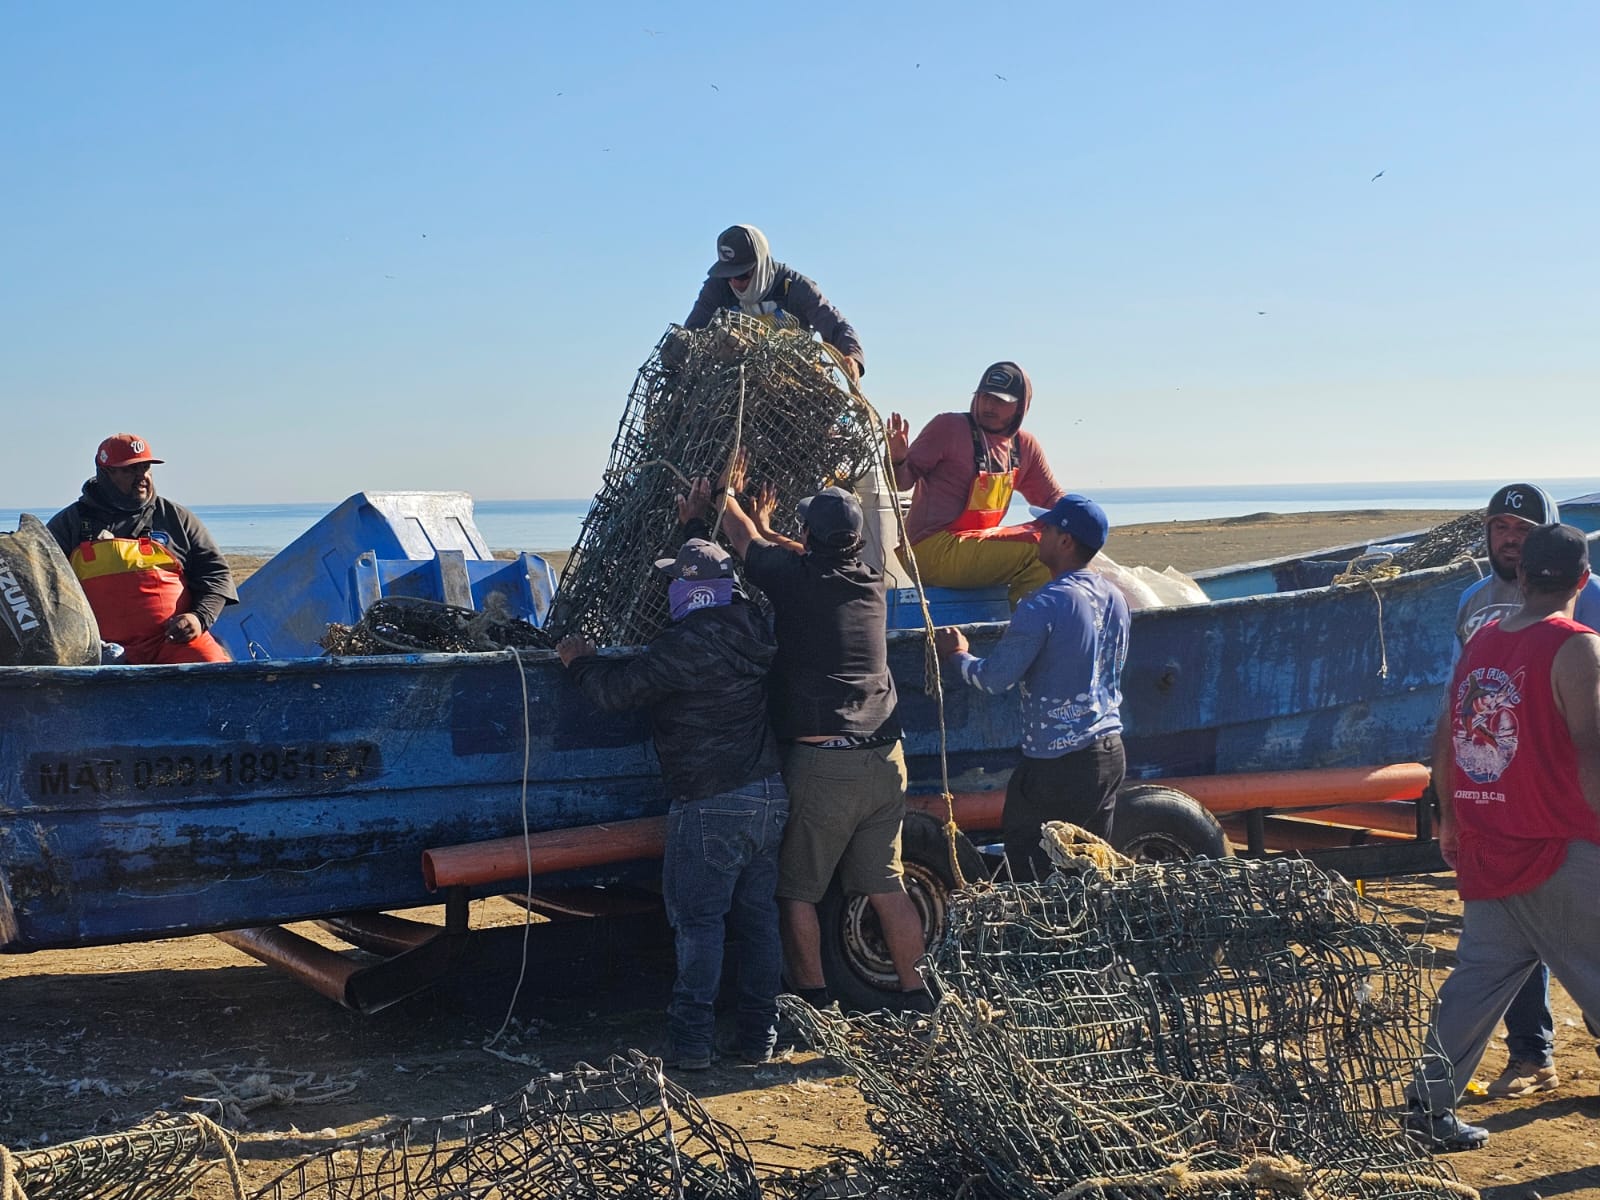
(698, 559)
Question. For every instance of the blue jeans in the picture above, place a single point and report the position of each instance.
(1530, 1029)
(718, 879)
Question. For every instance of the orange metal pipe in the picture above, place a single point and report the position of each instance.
(645, 837)
(552, 850)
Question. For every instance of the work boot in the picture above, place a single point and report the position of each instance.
(1443, 1132)
(1523, 1079)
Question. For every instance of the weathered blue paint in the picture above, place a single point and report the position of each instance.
(129, 808)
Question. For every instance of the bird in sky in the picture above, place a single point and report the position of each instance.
(655, 32)
(715, 88)
(1000, 77)
(1376, 177)
(1261, 312)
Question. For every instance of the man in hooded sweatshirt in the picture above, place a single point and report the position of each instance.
(746, 277)
(965, 467)
(153, 576)
(704, 681)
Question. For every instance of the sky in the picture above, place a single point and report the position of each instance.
(308, 249)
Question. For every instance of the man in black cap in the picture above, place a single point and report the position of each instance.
(1513, 512)
(836, 714)
(1517, 753)
(746, 277)
(704, 679)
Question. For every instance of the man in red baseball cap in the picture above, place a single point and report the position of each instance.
(154, 578)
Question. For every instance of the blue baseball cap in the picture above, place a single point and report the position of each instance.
(1082, 518)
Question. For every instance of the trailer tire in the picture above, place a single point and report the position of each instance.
(855, 960)
(1160, 824)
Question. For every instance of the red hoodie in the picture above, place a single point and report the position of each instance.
(941, 466)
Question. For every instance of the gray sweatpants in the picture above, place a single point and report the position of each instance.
(1502, 941)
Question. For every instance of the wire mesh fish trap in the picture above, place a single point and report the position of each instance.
(623, 1131)
(158, 1160)
(742, 382)
(1226, 1028)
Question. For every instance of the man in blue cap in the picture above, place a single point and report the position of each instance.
(1065, 647)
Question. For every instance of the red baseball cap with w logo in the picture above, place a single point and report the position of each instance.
(124, 450)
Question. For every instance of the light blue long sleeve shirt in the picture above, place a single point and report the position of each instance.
(1064, 650)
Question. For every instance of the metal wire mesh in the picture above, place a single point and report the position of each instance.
(407, 625)
(741, 382)
(1459, 537)
(1237, 1027)
(623, 1131)
(159, 1160)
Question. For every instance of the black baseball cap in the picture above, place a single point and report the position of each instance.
(698, 559)
(1555, 556)
(1005, 379)
(834, 517)
(736, 254)
(1525, 501)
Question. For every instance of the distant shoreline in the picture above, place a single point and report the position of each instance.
(1188, 546)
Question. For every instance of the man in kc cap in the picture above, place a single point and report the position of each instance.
(1513, 512)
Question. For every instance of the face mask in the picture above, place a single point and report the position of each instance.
(689, 595)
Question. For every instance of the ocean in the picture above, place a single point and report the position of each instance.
(554, 524)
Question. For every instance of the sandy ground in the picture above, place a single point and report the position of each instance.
(93, 1040)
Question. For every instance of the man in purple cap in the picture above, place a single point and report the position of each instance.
(704, 681)
(746, 277)
(1065, 647)
(1517, 756)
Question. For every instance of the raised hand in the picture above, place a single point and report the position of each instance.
(897, 431)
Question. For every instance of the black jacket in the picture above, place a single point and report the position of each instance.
(205, 570)
(704, 679)
(793, 293)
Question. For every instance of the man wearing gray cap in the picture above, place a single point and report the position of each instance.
(703, 679)
(1517, 753)
(1512, 513)
(746, 277)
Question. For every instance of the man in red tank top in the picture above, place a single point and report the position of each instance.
(1519, 750)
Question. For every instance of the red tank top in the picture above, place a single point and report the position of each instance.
(1515, 777)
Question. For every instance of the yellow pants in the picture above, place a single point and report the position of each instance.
(948, 561)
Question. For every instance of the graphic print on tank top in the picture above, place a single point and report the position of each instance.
(1484, 733)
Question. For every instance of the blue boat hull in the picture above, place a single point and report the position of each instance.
(145, 802)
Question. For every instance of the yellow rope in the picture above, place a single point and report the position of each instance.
(10, 1186)
(224, 1139)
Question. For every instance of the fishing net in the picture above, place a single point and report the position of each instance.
(623, 1131)
(158, 1160)
(741, 383)
(1219, 1028)
(407, 625)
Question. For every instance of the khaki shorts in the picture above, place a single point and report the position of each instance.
(845, 812)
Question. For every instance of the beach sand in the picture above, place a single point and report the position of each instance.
(1187, 545)
(94, 1039)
